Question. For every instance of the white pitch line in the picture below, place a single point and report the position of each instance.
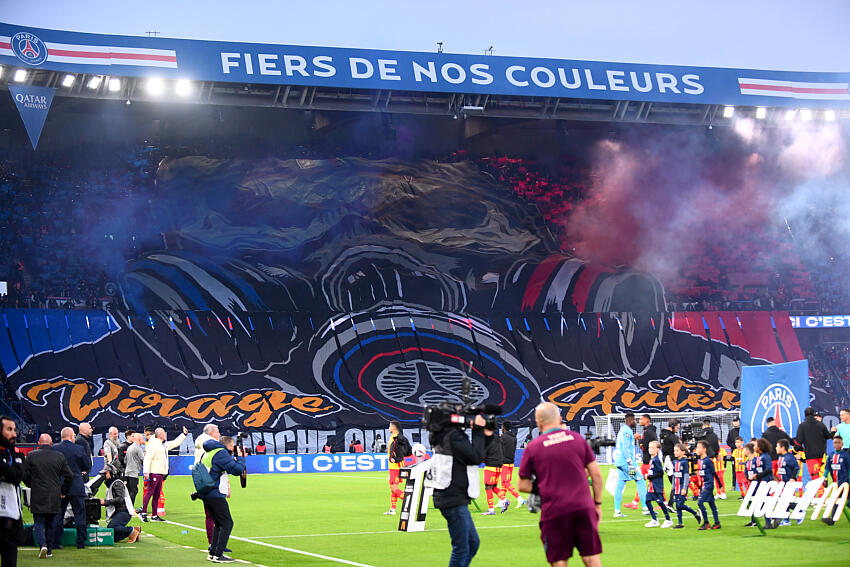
(289, 549)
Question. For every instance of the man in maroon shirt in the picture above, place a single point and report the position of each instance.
(560, 461)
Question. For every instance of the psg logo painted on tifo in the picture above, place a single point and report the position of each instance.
(776, 401)
(29, 49)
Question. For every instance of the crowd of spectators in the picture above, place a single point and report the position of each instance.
(53, 215)
(829, 367)
(58, 248)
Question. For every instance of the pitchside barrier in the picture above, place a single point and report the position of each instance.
(609, 425)
(293, 463)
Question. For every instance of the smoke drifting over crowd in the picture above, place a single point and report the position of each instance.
(660, 194)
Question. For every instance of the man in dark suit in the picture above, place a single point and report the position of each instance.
(46, 472)
(79, 463)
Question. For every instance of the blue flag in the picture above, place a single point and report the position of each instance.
(33, 104)
(780, 391)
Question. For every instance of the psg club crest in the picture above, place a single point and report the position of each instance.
(776, 401)
(29, 49)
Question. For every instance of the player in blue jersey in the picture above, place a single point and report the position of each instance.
(762, 470)
(837, 468)
(626, 465)
(681, 480)
(655, 486)
(708, 475)
(787, 470)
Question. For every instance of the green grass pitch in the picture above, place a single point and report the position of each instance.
(340, 516)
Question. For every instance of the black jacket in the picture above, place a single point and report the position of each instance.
(734, 433)
(508, 442)
(713, 443)
(78, 462)
(649, 435)
(401, 448)
(11, 471)
(46, 472)
(774, 434)
(668, 441)
(493, 453)
(464, 454)
(812, 435)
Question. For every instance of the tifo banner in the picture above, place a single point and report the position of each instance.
(780, 391)
(413, 71)
(33, 104)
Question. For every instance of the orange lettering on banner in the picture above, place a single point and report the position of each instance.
(201, 408)
(81, 411)
(255, 408)
(675, 395)
(258, 408)
(310, 404)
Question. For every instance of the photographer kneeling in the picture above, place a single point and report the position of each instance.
(220, 462)
(454, 476)
(119, 507)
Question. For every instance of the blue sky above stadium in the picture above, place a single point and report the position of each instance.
(780, 34)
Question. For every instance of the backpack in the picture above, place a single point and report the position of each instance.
(121, 457)
(201, 476)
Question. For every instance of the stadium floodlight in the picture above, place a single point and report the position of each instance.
(805, 114)
(68, 80)
(829, 115)
(20, 75)
(471, 108)
(728, 111)
(94, 82)
(155, 86)
(790, 114)
(114, 85)
(761, 113)
(183, 87)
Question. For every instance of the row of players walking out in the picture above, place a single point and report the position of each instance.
(699, 468)
(498, 467)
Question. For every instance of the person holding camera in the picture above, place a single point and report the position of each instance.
(455, 480)
(557, 463)
(220, 462)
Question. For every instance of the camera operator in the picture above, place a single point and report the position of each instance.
(560, 461)
(220, 462)
(456, 482)
(710, 437)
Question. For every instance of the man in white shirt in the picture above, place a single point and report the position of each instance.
(156, 469)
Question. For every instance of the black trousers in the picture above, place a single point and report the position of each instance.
(10, 538)
(78, 505)
(132, 483)
(223, 524)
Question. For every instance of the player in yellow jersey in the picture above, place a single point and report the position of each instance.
(740, 465)
(720, 469)
(398, 447)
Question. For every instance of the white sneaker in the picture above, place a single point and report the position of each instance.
(646, 512)
(667, 524)
(520, 503)
(651, 524)
(722, 496)
(619, 514)
(42, 553)
(390, 512)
